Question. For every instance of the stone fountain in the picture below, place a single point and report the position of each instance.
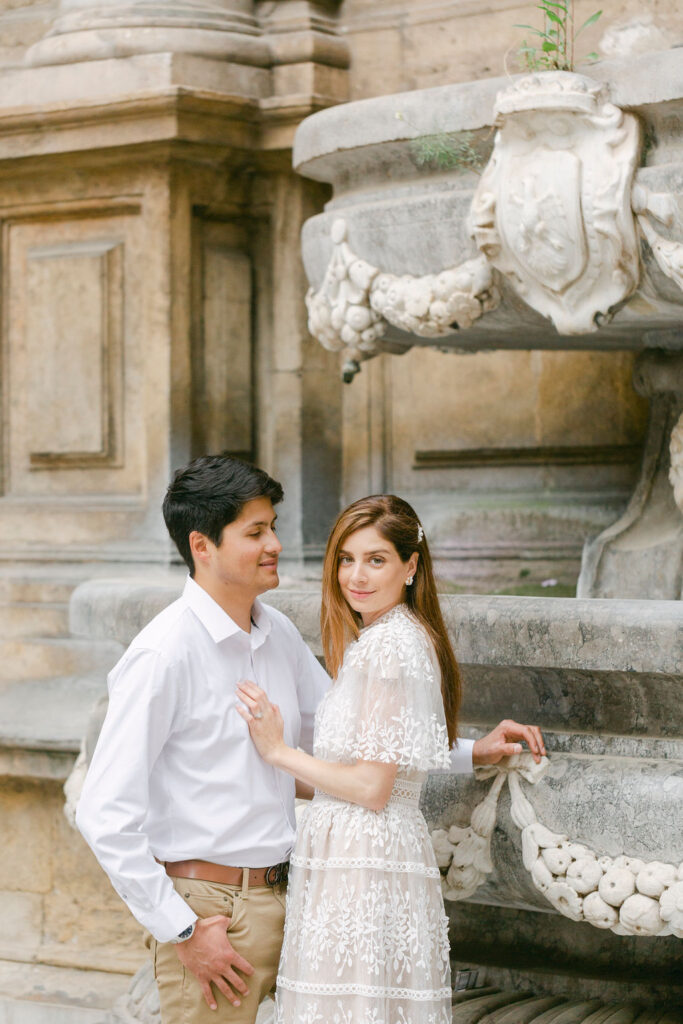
(563, 230)
(541, 212)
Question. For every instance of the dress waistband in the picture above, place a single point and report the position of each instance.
(405, 794)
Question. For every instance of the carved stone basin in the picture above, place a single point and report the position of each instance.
(538, 212)
(576, 218)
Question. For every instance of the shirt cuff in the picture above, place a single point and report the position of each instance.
(461, 756)
(167, 921)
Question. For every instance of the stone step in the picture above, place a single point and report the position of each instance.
(41, 658)
(39, 994)
(34, 619)
(48, 714)
(31, 586)
(56, 581)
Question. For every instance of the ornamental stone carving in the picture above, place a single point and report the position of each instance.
(356, 301)
(558, 213)
(552, 211)
(624, 894)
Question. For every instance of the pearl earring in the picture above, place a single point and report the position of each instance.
(409, 581)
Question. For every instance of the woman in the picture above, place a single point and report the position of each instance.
(366, 938)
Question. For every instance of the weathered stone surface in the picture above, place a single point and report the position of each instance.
(548, 953)
(639, 554)
(28, 828)
(67, 912)
(41, 994)
(619, 636)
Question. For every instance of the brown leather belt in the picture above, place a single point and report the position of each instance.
(205, 871)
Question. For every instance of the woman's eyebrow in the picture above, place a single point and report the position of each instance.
(366, 554)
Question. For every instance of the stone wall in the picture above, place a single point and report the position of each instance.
(212, 187)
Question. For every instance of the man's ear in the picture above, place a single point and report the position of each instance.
(199, 546)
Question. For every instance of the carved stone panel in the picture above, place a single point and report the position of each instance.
(70, 355)
(73, 332)
(222, 344)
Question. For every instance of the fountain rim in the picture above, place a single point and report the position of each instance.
(649, 79)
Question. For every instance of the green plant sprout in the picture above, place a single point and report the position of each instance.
(443, 150)
(557, 38)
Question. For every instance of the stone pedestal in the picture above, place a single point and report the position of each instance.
(641, 554)
(224, 29)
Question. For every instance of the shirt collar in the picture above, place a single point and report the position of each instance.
(217, 622)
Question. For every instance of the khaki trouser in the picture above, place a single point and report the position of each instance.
(257, 919)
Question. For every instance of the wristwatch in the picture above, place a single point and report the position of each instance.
(185, 934)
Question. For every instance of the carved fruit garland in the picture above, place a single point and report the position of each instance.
(356, 302)
(623, 894)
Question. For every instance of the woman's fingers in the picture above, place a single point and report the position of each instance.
(250, 689)
(248, 701)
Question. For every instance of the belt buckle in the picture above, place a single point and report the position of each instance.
(277, 874)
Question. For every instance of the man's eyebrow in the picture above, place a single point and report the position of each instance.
(260, 522)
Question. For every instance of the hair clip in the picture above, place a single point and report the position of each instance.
(420, 534)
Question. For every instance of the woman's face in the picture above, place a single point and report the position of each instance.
(371, 574)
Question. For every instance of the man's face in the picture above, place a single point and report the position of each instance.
(247, 555)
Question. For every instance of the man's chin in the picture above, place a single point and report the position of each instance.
(271, 580)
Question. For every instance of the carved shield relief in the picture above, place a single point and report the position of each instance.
(552, 211)
(540, 224)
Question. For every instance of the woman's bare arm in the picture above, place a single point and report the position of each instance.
(368, 783)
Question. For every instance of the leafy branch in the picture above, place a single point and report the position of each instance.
(554, 46)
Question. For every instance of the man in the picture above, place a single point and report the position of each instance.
(192, 827)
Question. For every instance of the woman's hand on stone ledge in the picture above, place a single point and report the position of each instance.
(504, 740)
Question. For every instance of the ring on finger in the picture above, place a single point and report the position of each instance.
(257, 714)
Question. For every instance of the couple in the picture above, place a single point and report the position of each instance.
(189, 799)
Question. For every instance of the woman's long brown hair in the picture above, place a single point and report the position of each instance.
(396, 520)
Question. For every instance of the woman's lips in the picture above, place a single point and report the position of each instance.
(360, 593)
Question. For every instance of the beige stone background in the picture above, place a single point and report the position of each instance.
(152, 304)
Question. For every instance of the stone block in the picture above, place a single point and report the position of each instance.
(28, 813)
(22, 913)
(85, 922)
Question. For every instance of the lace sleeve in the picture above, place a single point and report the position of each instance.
(393, 710)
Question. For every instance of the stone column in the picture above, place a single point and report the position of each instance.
(83, 30)
(641, 555)
(300, 404)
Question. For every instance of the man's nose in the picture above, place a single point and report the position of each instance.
(274, 545)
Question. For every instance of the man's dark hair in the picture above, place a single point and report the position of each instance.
(210, 493)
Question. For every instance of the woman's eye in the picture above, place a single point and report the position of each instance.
(257, 534)
(376, 561)
(344, 560)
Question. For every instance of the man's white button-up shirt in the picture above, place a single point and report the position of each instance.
(175, 775)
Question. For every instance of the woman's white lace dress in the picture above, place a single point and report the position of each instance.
(366, 938)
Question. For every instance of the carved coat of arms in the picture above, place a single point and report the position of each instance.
(553, 208)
